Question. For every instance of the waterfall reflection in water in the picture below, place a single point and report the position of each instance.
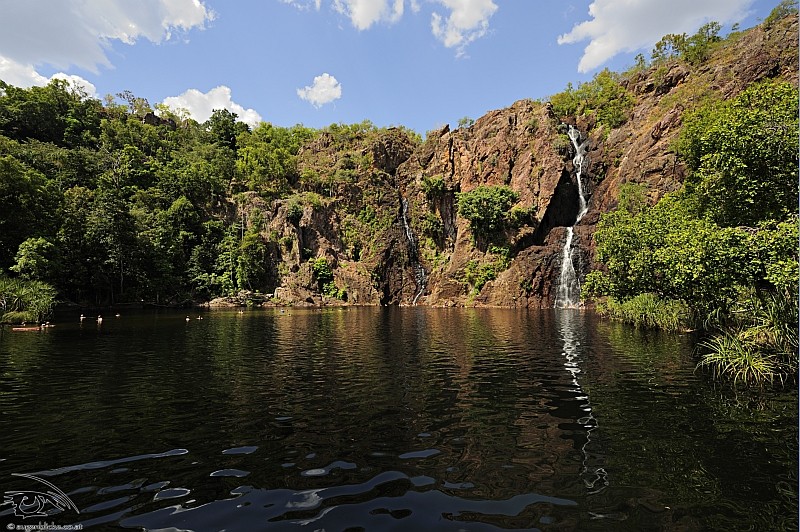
(570, 323)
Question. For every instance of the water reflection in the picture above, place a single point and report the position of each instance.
(571, 326)
(383, 419)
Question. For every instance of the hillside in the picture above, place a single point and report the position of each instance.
(111, 203)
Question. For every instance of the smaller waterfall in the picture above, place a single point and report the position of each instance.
(569, 288)
(420, 275)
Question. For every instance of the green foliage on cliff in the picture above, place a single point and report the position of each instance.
(477, 273)
(743, 154)
(323, 276)
(694, 49)
(724, 246)
(486, 207)
(604, 96)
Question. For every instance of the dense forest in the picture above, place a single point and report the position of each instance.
(111, 203)
(114, 201)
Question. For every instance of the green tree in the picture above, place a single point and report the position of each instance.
(604, 96)
(743, 155)
(222, 128)
(669, 46)
(25, 204)
(36, 259)
(666, 251)
(252, 262)
(784, 9)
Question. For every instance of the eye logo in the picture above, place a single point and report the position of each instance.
(38, 503)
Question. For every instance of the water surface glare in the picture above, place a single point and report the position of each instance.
(387, 419)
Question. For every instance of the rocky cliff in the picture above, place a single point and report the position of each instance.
(387, 223)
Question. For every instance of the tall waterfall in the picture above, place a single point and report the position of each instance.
(420, 275)
(569, 288)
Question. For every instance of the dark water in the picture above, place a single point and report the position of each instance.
(387, 419)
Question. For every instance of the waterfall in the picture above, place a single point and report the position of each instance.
(420, 276)
(569, 288)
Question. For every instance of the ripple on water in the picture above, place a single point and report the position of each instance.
(426, 453)
(237, 473)
(171, 493)
(345, 506)
(248, 449)
(322, 471)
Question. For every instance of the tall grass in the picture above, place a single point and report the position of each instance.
(25, 300)
(760, 345)
(730, 356)
(648, 310)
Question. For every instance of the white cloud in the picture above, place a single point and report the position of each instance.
(468, 21)
(201, 105)
(324, 90)
(79, 32)
(628, 25)
(304, 5)
(26, 76)
(365, 13)
(463, 22)
(20, 75)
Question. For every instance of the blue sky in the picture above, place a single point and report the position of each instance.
(417, 63)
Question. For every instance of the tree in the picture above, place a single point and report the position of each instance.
(222, 128)
(110, 231)
(604, 96)
(252, 260)
(666, 251)
(743, 156)
(24, 199)
(784, 9)
(36, 260)
(670, 45)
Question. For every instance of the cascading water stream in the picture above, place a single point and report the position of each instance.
(569, 289)
(420, 275)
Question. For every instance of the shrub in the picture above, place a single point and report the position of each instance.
(521, 216)
(760, 345)
(431, 225)
(322, 271)
(648, 310)
(25, 300)
(432, 186)
(294, 212)
(465, 122)
(486, 207)
(604, 96)
(477, 274)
